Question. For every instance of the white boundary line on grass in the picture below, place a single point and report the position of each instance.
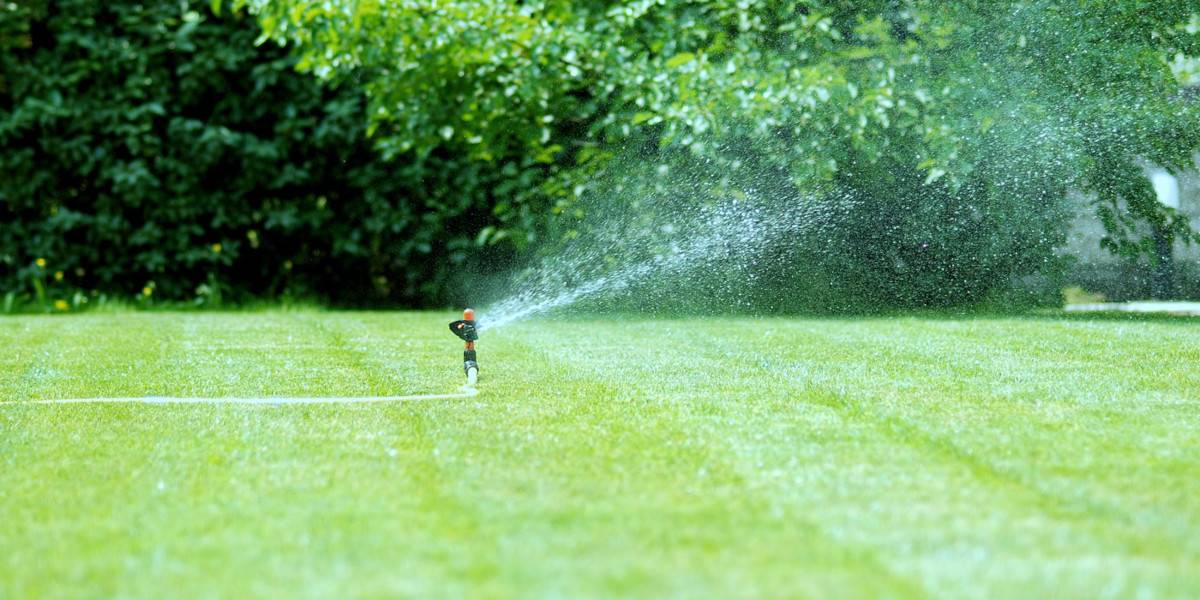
(467, 392)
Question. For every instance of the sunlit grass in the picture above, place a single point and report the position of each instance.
(717, 457)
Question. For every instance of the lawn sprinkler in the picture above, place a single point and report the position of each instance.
(466, 330)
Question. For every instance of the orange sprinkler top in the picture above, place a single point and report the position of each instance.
(469, 315)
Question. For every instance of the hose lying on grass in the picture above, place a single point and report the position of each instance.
(464, 392)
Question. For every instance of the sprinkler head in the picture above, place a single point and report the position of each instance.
(466, 331)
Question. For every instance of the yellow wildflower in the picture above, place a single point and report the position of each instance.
(61, 305)
(146, 291)
(58, 275)
(216, 248)
(41, 262)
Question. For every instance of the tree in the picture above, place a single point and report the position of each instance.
(959, 126)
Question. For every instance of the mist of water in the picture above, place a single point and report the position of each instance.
(715, 250)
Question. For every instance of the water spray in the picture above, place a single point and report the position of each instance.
(465, 329)
(715, 250)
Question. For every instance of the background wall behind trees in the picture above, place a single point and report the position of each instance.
(156, 146)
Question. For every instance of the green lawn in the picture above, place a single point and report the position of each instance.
(727, 457)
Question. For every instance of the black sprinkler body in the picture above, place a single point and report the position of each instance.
(466, 331)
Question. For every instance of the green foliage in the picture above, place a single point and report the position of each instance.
(153, 151)
(958, 127)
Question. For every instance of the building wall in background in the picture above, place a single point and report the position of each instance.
(1098, 270)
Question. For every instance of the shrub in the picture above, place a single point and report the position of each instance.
(152, 149)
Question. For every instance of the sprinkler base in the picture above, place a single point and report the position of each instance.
(470, 367)
(465, 330)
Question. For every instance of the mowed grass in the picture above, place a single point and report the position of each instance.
(730, 457)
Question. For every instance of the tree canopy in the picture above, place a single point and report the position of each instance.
(948, 134)
(970, 117)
